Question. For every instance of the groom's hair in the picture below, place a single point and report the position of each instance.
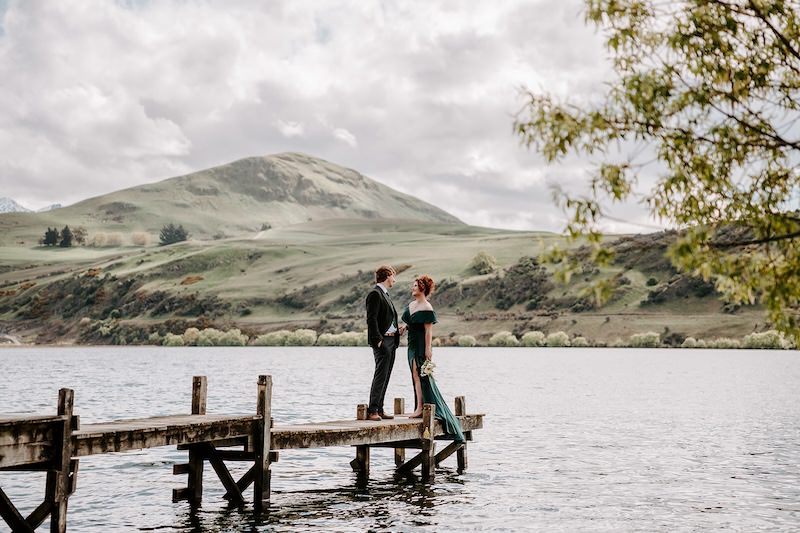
(383, 272)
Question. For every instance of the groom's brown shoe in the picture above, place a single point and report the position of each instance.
(386, 416)
(375, 417)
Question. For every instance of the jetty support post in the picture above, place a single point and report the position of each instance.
(59, 484)
(360, 464)
(461, 454)
(399, 409)
(428, 445)
(196, 452)
(262, 441)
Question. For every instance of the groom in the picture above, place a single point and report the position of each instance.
(383, 334)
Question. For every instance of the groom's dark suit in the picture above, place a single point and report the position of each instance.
(381, 315)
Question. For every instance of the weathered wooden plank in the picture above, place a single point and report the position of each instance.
(180, 469)
(160, 431)
(27, 431)
(361, 463)
(39, 514)
(244, 482)
(11, 515)
(224, 475)
(59, 490)
(262, 438)
(221, 443)
(399, 451)
(197, 452)
(354, 432)
(26, 454)
(449, 450)
(461, 454)
(428, 445)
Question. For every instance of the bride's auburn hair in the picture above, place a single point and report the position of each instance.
(425, 284)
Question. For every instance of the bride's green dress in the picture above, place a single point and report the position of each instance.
(430, 392)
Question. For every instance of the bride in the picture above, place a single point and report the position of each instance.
(420, 318)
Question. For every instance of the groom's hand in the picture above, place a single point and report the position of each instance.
(402, 329)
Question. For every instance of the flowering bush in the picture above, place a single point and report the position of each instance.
(467, 341)
(273, 338)
(580, 342)
(767, 340)
(533, 338)
(557, 339)
(503, 338)
(650, 339)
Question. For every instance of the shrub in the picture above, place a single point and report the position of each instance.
(701, 343)
(84, 322)
(170, 234)
(273, 338)
(467, 341)
(209, 337)
(302, 337)
(503, 338)
(533, 338)
(190, 336)
(557, 339)
(650, 339)
(154, 338)
(689, 342)
(140, 238)
(618, 343)
(580, 342)
(114, 239)
(724, 343)
(483, 263)
(767, 340)
(651, 282)
(170, 339)
(232, 337)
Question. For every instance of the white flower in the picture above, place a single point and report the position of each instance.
(428, 368)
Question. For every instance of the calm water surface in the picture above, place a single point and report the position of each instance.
(573, 439)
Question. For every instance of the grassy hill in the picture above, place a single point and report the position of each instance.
(290, 241)
(316, 274)
(234, 200)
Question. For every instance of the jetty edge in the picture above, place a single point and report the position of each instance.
(54, 444)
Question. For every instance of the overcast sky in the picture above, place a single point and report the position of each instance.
(420, 95)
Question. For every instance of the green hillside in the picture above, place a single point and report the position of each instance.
(316, 275)
(289, 241)
(234, 200)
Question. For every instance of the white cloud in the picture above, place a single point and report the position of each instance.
(346, 137)
(417, 94)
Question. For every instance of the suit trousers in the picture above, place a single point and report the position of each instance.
(384, 363)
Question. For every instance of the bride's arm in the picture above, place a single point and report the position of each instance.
(428, 340)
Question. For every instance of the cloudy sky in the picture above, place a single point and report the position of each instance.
(98, 95)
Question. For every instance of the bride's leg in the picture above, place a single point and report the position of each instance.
(417, 390)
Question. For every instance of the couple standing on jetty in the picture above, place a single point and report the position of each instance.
(384, 332)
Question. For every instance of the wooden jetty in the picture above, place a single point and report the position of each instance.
(54, 445)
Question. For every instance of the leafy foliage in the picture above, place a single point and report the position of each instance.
(50, 237)
(171, 234)
(483, 263)
(709, 90)
(66, 237)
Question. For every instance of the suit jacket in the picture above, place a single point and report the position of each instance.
(380, 315)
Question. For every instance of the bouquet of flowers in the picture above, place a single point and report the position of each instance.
(427, 369)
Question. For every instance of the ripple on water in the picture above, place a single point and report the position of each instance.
(574, 440)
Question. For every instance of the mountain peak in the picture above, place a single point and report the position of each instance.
(9, 205)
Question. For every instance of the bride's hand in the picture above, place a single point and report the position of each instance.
(428, 356)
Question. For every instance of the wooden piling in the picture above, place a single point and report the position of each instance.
(428, 445)
(461, 453)
(261, 440)
(196, 452)
(361, 411)
(58, 479)
(399, 409)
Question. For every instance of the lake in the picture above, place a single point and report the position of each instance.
(573, 439)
